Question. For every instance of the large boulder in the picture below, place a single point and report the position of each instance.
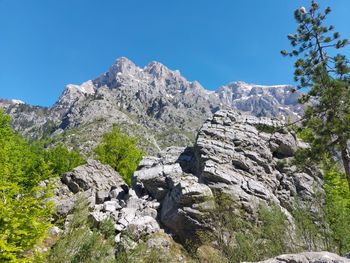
(183, 209)
(307, 257)
(95, 177)
(93, 180)
(183, 200)
(245, 157)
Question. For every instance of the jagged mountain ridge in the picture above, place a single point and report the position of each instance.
(154, 102)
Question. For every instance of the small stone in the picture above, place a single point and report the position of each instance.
(110, 206)
(154, 205)
(55, 231)
(117, 238)
(97, 218)
(119, 227)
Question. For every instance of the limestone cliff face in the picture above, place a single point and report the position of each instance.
(154, 102)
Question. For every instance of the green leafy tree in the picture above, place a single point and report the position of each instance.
(326, 75)
(62, 160)
(24, 215)
(119, 151)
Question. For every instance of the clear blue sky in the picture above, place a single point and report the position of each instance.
(46, 44)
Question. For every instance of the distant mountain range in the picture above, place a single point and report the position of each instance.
(154, 103)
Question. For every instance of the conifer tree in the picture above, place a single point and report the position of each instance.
(326, 76)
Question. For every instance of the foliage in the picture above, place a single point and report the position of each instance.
(119, 151)
(25, 215)
(61, 160)
(240, 239)
(325, 226)
(310, 226)
(80, 243)
(337, 208)
(145, 253)
(327, 75)
(313, 39)
(267, 128)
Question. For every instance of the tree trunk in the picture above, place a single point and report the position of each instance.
(346, 162)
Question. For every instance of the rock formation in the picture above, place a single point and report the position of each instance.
(109, 197)
(175, 189)
(239, 155)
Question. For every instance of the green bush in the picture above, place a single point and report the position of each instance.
(242, 239)
(337, 208)
(119, 151)
(61, 160)
(325, 225)
(25, 215)
(81, 243)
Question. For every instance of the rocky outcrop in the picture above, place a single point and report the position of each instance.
(109, 197)
(307, 257)
(242, 156)
(246, 157)
(183, 200)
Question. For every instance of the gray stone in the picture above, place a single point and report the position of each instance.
(97, 217)
(93, 181)
(307, 257)
(117, 238)
(110, 206)
(140, 226)
(55, 231)
(239, 158)
(183, 206)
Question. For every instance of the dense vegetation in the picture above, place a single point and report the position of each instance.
(25, 216)
(119, 151)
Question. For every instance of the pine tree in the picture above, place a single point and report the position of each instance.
(326, 76)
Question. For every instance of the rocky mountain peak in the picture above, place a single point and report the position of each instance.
(5, 102)
(159, 71)
(165, 104)
(123, 65)
(73, 93)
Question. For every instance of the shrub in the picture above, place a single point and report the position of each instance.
(24, 214)
(337, 208)
(80, 243)
(119, 151)
(325, 225)
(242, 239)
(61, 160)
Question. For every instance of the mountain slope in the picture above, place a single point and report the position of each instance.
(155, 103)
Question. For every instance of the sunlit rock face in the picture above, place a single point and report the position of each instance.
(154, 102)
